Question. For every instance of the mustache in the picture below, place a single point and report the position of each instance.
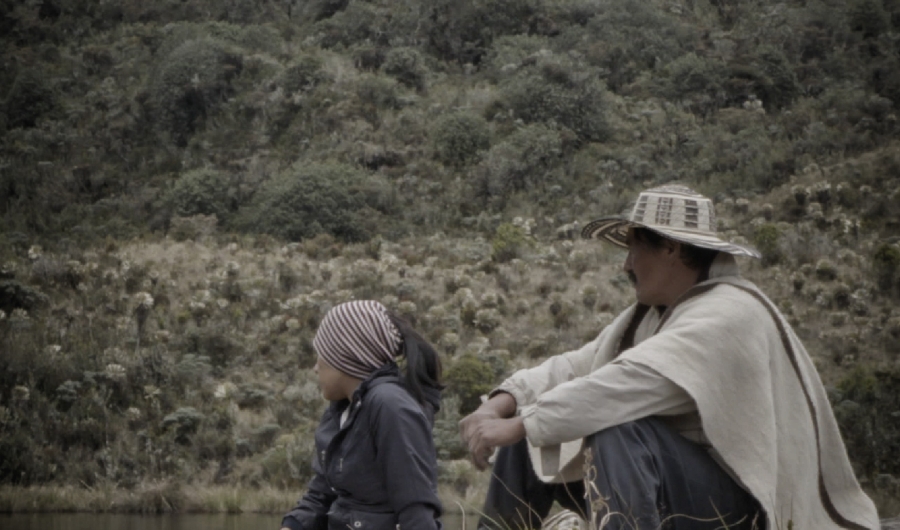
(632, 278)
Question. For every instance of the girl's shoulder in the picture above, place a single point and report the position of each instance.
(390, 398)
(387, 391)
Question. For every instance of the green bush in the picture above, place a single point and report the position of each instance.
(766, 240)
(629, 38)
(15, 295)
(30, 97)
(766, 74)
(311, 199)
(463, 31)
(868, 399)
(303, 74)
(826, 270)
(511, 51)
(509, 242)
(407, 66)
(185, 421)
(459, 137)
(447, 441)
(190, 83)
(358, 23)
(203, 192)
(257, 37)
(289, 465)
(377, 92)
(886, 266)
(556, 90)
(869, 18)
(320, 9)
(696, 80)
(519, 163)
(468, 378)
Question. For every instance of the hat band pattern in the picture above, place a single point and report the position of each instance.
(676, 212)
(694, 213)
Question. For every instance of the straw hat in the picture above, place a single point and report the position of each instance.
(673, 211)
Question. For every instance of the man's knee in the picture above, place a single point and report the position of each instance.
(638, 433)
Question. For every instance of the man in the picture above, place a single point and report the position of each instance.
(698, 407)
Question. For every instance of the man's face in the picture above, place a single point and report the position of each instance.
(648, 269)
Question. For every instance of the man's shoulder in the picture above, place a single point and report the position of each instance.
(732, 297)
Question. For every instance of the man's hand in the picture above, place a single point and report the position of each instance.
(491, 426)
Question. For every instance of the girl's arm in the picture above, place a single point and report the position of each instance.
(311, 512)
(407, 458)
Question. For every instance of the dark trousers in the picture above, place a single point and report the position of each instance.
(643, 476)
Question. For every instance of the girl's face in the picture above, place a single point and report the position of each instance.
(332, 381)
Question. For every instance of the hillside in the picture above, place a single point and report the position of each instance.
(187, 186)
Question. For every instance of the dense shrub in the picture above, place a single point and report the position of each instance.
(554, 89)
(257, 37)
(767, 242)
(631, 37)
(748, 159)
(184, 422)
(868, 399)
(468, 378)
(447, 441)
(30, 97)
(869, 18)
(320, 9)
(510, 51)
(15, 295)
(508, 243)
(204, 192)
(406, 65)
(304, 73)
(519, 163)
(189, 84)
(463, 31)
(357, 23)
(766, 74)
(459, 137)
(696, 80)
(377, 92)
(307, 200)
(886, 266)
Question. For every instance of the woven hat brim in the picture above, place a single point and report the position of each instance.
(615, 229)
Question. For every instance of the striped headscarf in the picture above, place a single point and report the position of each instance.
(357, 338)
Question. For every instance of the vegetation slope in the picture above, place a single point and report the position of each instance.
(187, 186)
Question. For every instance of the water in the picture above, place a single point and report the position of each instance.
(104, 521)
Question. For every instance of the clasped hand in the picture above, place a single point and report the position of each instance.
(484, 430)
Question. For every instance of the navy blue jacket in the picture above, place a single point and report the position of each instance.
(378, 471)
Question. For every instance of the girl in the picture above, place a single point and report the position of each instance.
(375, 465)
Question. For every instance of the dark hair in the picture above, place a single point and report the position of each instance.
(694, 257)
(423, 365)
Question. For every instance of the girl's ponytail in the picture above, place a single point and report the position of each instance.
(423, 365)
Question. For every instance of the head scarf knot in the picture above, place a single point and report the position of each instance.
(357, 338)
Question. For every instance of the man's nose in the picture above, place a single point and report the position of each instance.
(626, 266)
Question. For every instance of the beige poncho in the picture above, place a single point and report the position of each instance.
(761, 403)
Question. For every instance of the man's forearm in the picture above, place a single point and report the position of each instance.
(503, 404)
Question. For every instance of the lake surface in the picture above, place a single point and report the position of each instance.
(103, 521)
